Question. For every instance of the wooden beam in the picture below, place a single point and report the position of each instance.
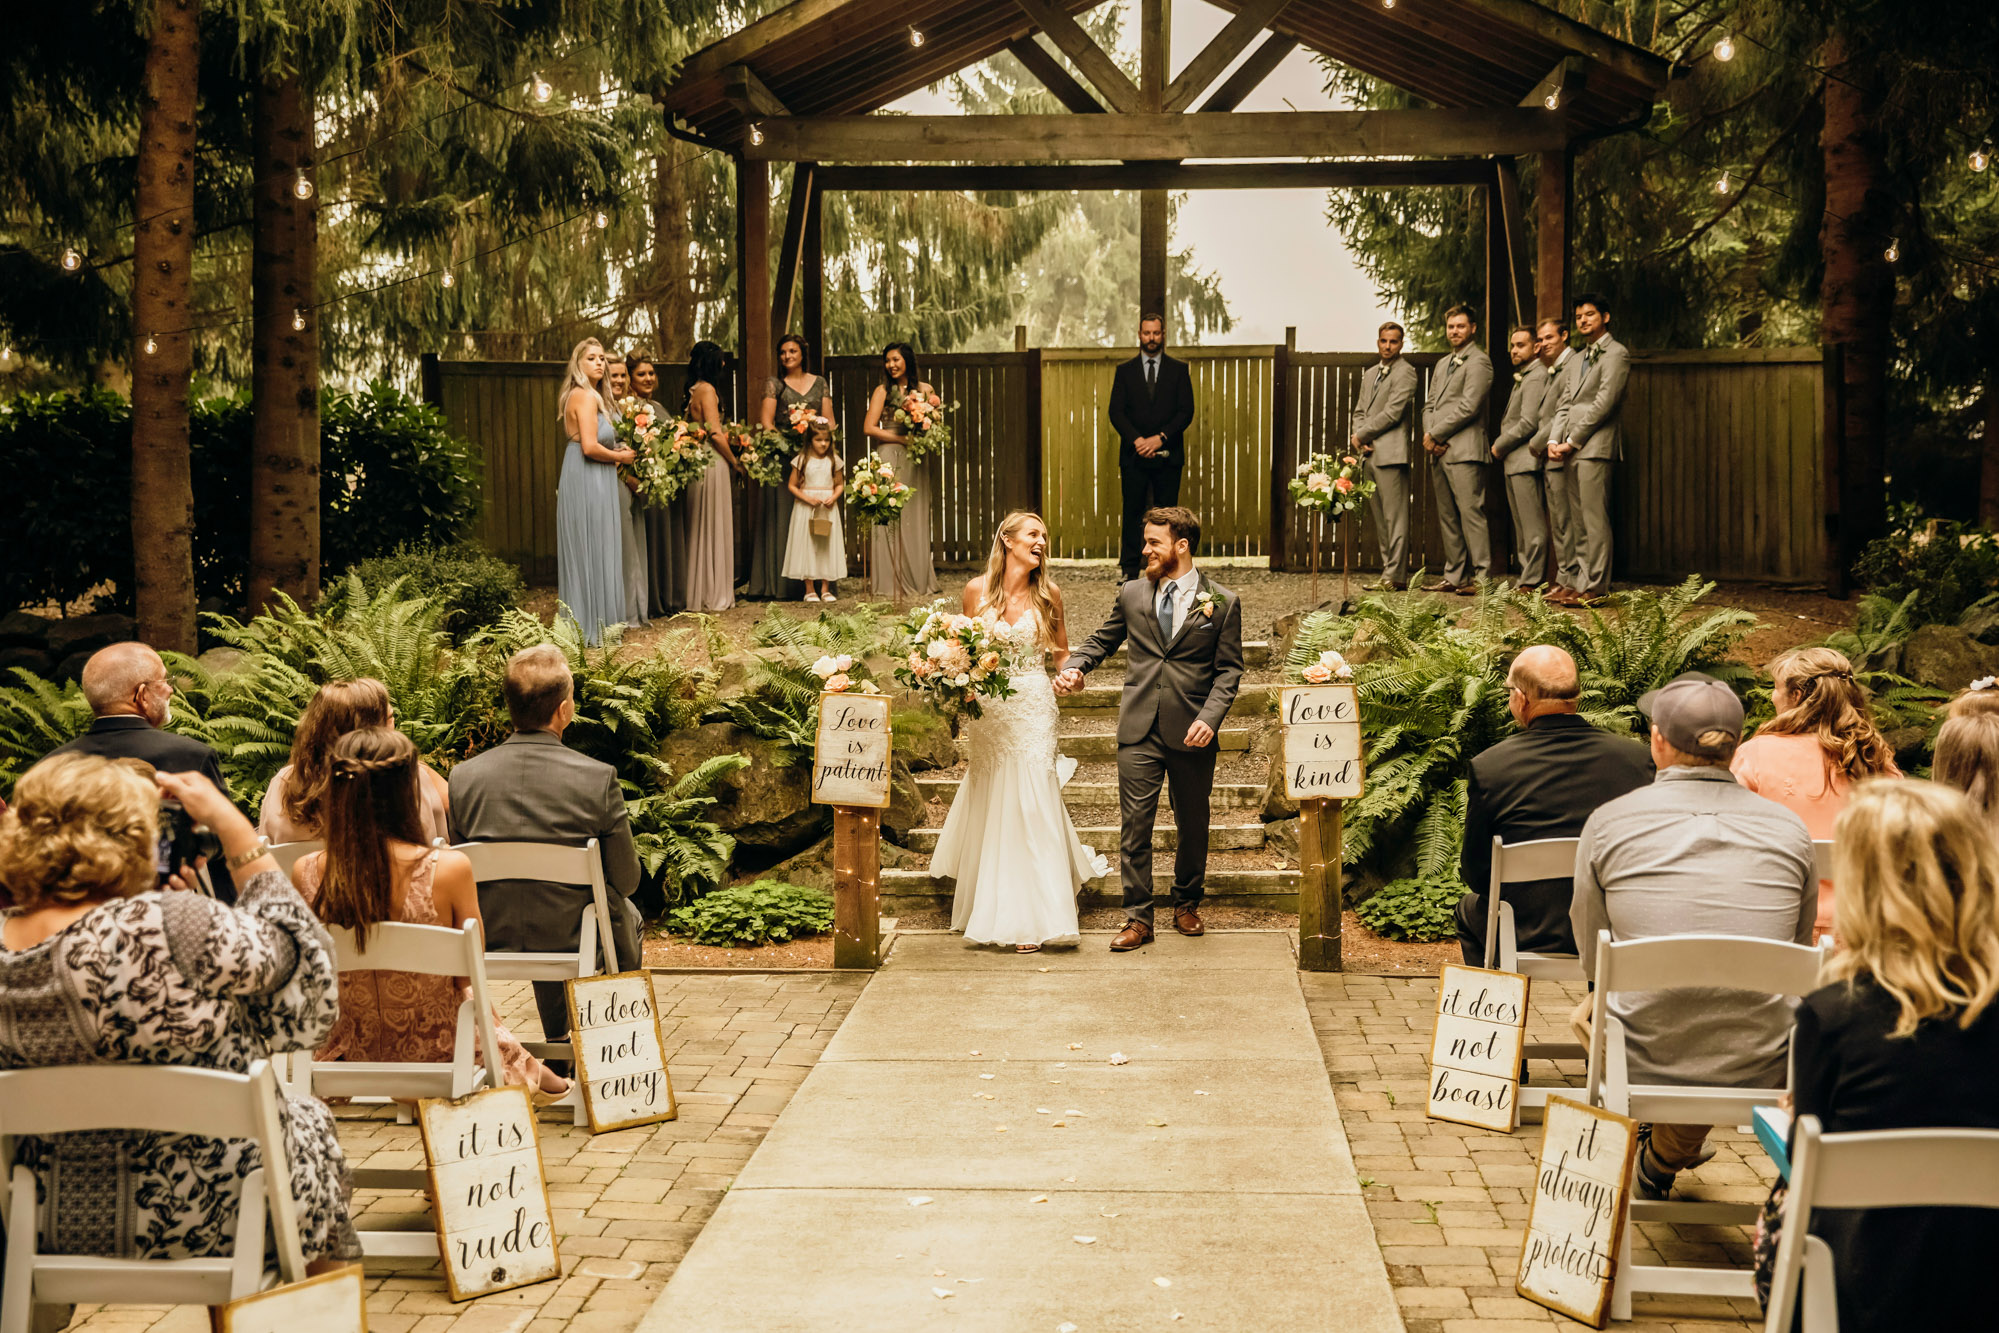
(1520, 274)
(1072, 41)
(1565, 81)
(768, 31)
(1155, 52)
(1497, 316)
(1632, 62)
(753, 272)
(790, 249)
(813, 262)
(1554, 181)
(746, 92)
(1471, 131)
(1216, 56)
(1055, 77)
(1251, 73)
(1154, 222)
(1161, 176)
(1155, 209)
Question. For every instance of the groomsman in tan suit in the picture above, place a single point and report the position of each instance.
(1381, 435)
(1454, 437)
(1525, 496)
(1586, 435)
(1565, 376)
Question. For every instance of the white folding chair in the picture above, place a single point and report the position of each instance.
(161, 1099)
(1681, 962)
(287, 854)
(556, 864)
(1515, 863)
(1888, 1168)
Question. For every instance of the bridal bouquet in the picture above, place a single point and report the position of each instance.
(922, 417)
(1331, 484)
(763, 451)
(873, 493)
(954, 659)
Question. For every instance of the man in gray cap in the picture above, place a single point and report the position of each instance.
(1695, 853)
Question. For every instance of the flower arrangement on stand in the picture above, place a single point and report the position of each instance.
(841, 674)
(953, 660)
(923, 419)
(1330, 666)
(1331, 486)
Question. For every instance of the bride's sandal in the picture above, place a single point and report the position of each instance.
(1027, 948)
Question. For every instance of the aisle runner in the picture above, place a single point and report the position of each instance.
(969, 1150)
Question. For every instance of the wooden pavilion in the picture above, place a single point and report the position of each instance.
(1504, 79)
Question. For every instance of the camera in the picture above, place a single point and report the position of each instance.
(182, 841)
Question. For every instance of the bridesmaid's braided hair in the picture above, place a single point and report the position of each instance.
(371, 802)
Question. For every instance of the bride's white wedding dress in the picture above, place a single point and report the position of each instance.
(1008, 840)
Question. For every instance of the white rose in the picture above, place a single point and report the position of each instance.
(825, 667)
(938, 648)
(846, 662)
(962, 678)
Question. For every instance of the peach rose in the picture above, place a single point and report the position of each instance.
(1316, 673)
(838, 682)
(988, 661)
(1343, 485)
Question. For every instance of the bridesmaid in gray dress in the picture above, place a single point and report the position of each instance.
(590, 513)
(793, 385)
(709, 558)
(899, 553)
(618, 383)
(662, 528)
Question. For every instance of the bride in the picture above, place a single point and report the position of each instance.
(1008, 840)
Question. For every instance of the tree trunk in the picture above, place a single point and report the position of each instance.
(163, 261)
(673, 260)
(1988, 470)
(284, 361)
(1858, 298)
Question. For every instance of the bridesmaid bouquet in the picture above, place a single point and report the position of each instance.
(798, 420)
(672, 454)
(762, 451)
(1331, 485)
(953, 659)
(925, 427)
(873, 493)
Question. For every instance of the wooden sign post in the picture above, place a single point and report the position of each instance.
(488, 1192)
(1578, 1211)
(620, 1051)
(1323, 766)
(850, 772)
(1475, 1047)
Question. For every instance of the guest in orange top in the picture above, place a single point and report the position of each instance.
(1822, 741)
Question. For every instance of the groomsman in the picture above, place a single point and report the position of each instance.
(1381, 430)
(1521, 466)
(1454, 437)
(1565, 375)
(1586, 435)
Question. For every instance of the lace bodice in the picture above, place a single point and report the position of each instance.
(1020, 643)
(1027, 724)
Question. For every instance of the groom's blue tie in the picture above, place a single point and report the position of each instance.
(1166, 611)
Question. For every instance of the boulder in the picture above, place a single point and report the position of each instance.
(86, 634)
(813, 867)
(24, 629)
(222, 660)
(1280, 838)
(28, 659)
(766, 806)
(1276, 805)
(1947, 657)
(1981, 622)
(71, 667)
(1910, 745)
(905, 808)
(732, 674)
(923, 739)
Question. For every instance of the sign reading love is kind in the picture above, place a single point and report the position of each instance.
(620, 1053)
(487, 1191)
(1578, 1211)
(850, 754)
(1475, 1047)
(1322, 753)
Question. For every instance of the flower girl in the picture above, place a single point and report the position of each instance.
(817, 550)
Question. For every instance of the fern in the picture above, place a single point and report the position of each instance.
(36, 716)
(674, 841)
(782, 703)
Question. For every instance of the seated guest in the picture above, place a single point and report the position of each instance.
(1822, 741)
(131, 697)
(294, 802)
(98, 966)
(1695, 853)
(1542, 783)
(1967, 752)
(1906, 1036)
(377, 867)
(530, 788)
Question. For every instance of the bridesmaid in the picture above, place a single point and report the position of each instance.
(664, 529)
(900, 551)
(617, 380)
(709, 558)
(589, 501)
(794, 385)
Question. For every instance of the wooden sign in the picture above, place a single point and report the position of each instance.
(1578, 1211)
(850, 755)
(620, 1051)
(1475, 1047)
(488, 1192)
(330, 1303)
(1321, 740)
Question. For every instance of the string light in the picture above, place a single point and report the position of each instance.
(1893, 252)
(915, 37)
(6, 354)
(302, 185)
(1722, 186)
(1981, 157)
(757, 135)
(541, 89)
(602, 220)
(298, 321)
(151, 346)
(1552, 101)
(71, 260)
(449, 279)
(1388, 4)
(1724, 50)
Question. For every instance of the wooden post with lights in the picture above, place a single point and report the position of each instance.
(1323, 769)
(850, 772)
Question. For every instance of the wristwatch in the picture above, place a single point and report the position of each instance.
(241, 859)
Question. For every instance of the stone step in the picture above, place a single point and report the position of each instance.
(1103, 744)
(1255, 655)
(1226, 796)
(1098, 700)
(1221, 838)
(1274, 890)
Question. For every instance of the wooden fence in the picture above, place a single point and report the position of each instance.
(1723, 472)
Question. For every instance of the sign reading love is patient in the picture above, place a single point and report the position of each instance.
(1321, 740)
(620, 1054)
(487, 1191)
(1475, 1047)
(850, 754)
(1578, 1211)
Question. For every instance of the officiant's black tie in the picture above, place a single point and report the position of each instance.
(1151, 373)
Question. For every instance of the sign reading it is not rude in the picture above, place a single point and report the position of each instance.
(1322, 753)
(487, 1189)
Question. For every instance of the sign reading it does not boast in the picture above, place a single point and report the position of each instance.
(488, 1192)
(1475, 1047)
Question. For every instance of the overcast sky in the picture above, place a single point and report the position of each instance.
(1279, 262)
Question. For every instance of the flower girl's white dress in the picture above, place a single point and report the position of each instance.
(1009, 841)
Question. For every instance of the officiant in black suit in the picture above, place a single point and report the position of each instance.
(1152, 404)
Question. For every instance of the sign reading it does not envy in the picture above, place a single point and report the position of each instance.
(620, 1055)
(1322, 757)
(850, 754)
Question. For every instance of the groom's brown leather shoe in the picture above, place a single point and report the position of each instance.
(1134, 934)
(1188, 922)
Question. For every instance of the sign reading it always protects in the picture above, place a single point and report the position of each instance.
(850, 755)
(620, 1054)
(1322, 751)
(1578, 1211)
(487, 1190)
(1475, 1047)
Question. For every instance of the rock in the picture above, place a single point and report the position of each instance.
(1283, 637)
(1269, 738)
(905, 807)
(1276, 805)
(923, 739)
(71, 667)
(733, 674)
(1947, 657)
(766, 806)
(28, 659)
(1981, 622)
(813, 867)
(1910, 745)
(24, 629)
(1280, 837)
(223, 660)
(86, 634)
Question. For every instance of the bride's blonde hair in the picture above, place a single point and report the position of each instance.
(575, 377)
(1040, 588)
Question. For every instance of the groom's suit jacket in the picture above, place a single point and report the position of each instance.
(1170, 685)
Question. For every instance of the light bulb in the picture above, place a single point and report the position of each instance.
(1552, 100)
(298, 321)
(915, 37)
(541, 89)
(601, 220)
(756, 134)
(1724, 50)
(151, 346)
(449, 279)
(6, 355)
(71, 260)
(1962, 292)
(1893, 252)
(302, 185)
(1388, 4)
(1722, 186)
(1981, 157)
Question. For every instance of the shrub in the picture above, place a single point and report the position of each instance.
(390, 471)
(1944, 566)
(768, 911)
(1421, 911)
(782, 703)
(473, 586)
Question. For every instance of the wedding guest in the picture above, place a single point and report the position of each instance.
(1822, 741)
(1151, 406)
(1981, 696)
(131, 701)
(1454, 439)
(663, 526)
(901, 564)
(378, 868)
(1526, 497)
(1967, 753)
(1381, 429)
(817, 480)
(99, 967)
(708, 559)
(1591, 441)
(294, 808)
(793, 386)
(590, 503)
(1905, 1035)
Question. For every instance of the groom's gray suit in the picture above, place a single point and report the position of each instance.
(1168, 686)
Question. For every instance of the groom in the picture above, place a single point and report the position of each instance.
(1185, 632)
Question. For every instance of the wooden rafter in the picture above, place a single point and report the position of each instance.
(1216, 56)
(1160, 176)
(1068, 35)
(1565, 81)
(747, 93)
(1055, 77)
(1251, 73)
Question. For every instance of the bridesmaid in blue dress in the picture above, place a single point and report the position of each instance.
(590, 500)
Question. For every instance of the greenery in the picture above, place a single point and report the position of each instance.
(782, 703)
(1935, 568)
(473, 586)
(766, 912)
(1421, 911)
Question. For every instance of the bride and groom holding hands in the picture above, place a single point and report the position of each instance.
(1008, 840)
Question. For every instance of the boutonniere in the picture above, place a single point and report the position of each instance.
(1595, 351)
(1205, 602)
(1458, 360)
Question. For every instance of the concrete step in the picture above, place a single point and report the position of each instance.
(1099, 700)
(1227, 796)
(1103, 838)
(1275, 890)
(1103, 744)
(1255, 655)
